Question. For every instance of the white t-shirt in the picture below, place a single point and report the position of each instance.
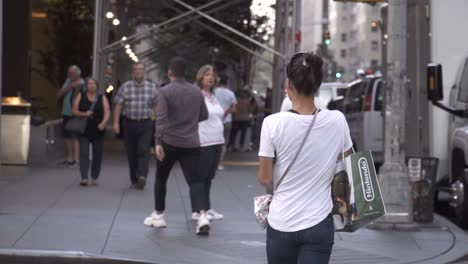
(211, 131)
(303, 199)
(226, 98)
(286, 105)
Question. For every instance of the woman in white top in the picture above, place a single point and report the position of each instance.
(211, 133)
(300, 228)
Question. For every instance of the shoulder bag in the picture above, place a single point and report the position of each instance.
(77, 124)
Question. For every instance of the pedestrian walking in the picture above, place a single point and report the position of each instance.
(211, 136)
(227, 99)
(137, 99)
(95, 107)
(180, 107)
(242, 118)
(72, 86)
(300, 226)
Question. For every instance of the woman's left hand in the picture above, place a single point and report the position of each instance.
(101, 127)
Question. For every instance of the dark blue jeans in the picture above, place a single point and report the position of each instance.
(311, 245)
(97, 145)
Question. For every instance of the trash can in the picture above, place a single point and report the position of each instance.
(423, 176)
(15, 129)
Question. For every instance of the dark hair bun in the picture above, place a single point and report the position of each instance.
(313, 61)
(305, 72)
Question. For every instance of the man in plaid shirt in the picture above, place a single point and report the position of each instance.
(136, 100)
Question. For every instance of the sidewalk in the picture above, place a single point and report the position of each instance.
(43, 208)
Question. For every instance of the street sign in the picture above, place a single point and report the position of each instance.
(362, 1)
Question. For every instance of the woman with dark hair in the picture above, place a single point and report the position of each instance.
(211, 133)
(95, 108)
(306, 143)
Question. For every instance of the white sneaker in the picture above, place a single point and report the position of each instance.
(203, 225)
(214, 215)
(156, 220)
(195, 216)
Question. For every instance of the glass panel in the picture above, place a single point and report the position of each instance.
(379, 97)
(463, 94)
(355, 97)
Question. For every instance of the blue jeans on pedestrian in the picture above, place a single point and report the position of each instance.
(311, 245)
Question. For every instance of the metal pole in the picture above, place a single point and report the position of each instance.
(279, 74)
(97, 37)
(298, 27)
(233, 41)
(292, 44)
(286, 26)
(1, 69)
(104, 39)
(235, 31)
(146, 32)
(394, 180)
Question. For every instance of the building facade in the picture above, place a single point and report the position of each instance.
(312, 26)
(355, 38)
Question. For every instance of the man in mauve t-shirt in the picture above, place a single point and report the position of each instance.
(180, 107)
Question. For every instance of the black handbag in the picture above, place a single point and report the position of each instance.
(77, 124)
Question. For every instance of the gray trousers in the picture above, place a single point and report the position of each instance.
(227, 134)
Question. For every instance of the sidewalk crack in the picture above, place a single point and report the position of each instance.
(59, 197)
(124, 193)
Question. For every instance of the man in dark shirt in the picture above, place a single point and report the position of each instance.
(180, 107)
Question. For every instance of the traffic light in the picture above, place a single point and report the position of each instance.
(327, 38)
(338, 75)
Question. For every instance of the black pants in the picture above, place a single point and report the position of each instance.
(210, 159)
(137, 137)
(236, 126)
(311, 245)
(189, 159)
(97, 144)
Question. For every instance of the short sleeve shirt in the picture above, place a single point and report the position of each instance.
(137, 100)
(303, 199)
(68, 97)
(226, 98)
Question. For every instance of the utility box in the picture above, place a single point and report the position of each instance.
(423, 176)
(15, 130)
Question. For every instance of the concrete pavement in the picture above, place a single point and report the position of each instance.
(44, 208)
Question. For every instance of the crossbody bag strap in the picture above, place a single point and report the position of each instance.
(298, 151)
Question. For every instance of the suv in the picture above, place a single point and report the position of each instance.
(362, 106)
(329, 92)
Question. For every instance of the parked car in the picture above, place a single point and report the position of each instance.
(330, 92)
(327, 93)
(362, 106)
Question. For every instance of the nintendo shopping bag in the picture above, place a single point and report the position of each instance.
(357, 199)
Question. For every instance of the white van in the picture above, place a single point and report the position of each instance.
(328, 92)
(362, 106)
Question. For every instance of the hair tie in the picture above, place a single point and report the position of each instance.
(304, 62)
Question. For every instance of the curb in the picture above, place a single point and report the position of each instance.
(20, 256)
(458, 249)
